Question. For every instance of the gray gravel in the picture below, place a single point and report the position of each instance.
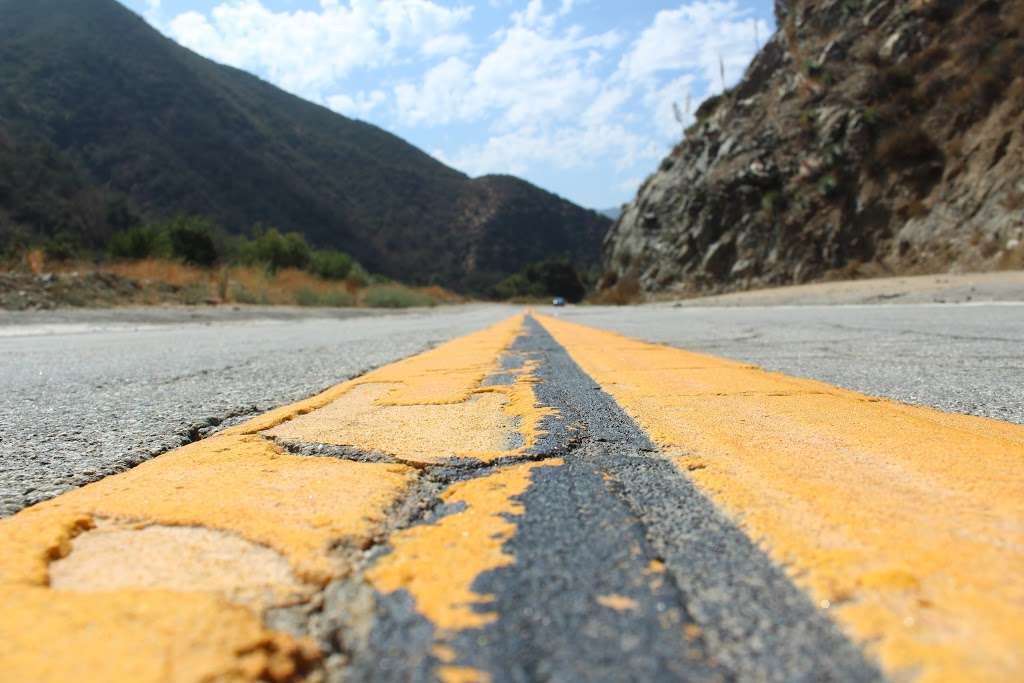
(965, 358)
(90, 393)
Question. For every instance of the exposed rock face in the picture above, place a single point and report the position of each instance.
(867, 136)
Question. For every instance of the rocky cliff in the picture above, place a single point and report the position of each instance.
(866, 137)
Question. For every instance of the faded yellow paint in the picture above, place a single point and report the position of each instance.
(438, 563)
(298, 506)
(448, 374)
(177, 558)
(906, 523)
(241, 485)
(428, 408)
(462, 674)
(136, 636)
(619, 603)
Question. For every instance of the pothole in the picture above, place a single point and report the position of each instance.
(114, 557)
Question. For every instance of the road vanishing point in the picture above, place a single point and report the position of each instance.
(532, 500)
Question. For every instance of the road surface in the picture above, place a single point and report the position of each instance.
(535, 500)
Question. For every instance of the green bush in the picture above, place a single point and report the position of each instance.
(192, 239)
(276, 251)
(330, 264)
(139, 243)
(395, 296)
(62, 247)
(358, 277)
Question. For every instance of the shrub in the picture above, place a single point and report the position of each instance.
(191, 239)
(828, 185)
(339, 298)
(62, 247)
(138, 243)
(906, 146)
(357, 277)
(276, 251)
(708, 107)
(243, 295)
(306, 297)
(395, 296)
(195, 293)
(331, 265)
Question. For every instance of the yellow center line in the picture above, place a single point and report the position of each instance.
(428, 408)
(162, 573)
(905, 522)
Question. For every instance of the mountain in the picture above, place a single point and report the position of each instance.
(613, 214)
(866, 137)
(104, 120)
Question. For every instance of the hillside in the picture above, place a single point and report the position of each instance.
(867, 137)
(103, 121)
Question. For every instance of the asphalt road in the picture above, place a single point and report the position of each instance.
(536, 501)
(90, 393)
(964, 358)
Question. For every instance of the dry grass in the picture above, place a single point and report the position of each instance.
(164, 281)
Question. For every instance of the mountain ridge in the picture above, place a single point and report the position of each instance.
(162, 130)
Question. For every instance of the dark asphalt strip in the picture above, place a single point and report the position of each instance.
(623, 572)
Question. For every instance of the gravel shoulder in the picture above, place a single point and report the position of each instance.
(913, 289)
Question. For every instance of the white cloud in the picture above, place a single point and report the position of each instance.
(359, 105)
(694, 37)
(565, 147)
(447, 44)
(545, 93)
(442, 96)
(664, 100)
(533, 73)
(306, 52)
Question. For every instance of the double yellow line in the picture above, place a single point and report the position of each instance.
(905, 524)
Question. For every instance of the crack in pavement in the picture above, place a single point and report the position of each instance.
(622, 570)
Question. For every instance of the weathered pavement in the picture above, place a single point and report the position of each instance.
(539, 501)
(88, 393)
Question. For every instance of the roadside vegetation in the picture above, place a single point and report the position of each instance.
(190, 260)
(542, 280)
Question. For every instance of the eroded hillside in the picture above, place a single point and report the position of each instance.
(867, 136)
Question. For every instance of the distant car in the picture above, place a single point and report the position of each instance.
(558, 301)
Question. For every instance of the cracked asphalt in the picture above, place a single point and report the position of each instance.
(640, 514)
(91, 393)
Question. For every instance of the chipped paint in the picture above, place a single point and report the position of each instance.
(433, 407)
(239, 485)
(437, 563)
(619, 603)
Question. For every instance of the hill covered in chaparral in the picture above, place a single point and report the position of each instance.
(105, 123)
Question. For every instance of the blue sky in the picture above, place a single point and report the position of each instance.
(574, 95)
